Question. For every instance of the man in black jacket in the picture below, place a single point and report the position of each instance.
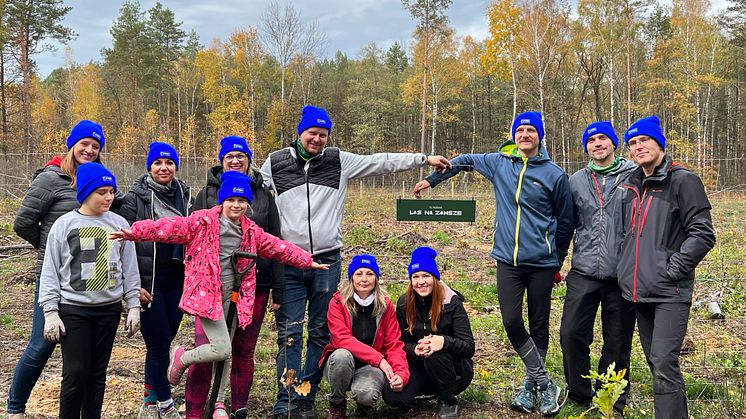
(667, 232)
(597, 206)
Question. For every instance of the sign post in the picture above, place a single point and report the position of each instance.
(464, 211)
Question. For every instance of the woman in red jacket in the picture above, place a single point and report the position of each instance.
(365, 352)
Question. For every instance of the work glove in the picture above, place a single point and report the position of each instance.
(132, 324)
(54, 329)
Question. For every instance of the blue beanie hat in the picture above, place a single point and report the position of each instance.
(529, 118)
(314, 117)
(91, 176)
(86, 129)
(650, 126)
(233, 143)
(160, 150)
(423, 259)
(363, 261)
(234, 184)
(600, 127)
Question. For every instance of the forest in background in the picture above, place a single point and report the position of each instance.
(442, 93)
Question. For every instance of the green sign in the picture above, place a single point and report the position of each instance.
(464, 211)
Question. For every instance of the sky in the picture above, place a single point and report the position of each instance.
(349, 24)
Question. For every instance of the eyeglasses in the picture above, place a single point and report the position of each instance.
(238, 157)
(640, 141)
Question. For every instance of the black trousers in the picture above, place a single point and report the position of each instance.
(441, 375)
(662, 328)
(536, 283)
(86, 349)
(584, 294)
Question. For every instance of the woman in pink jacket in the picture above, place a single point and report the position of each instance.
(210, 237)
(365, 352)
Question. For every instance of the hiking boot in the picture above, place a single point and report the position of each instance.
(241, 413)
(337, 410)
(176, 366)
(447, 410)
(291, 414)
(305, 409)
(147, 411)
(525, 400)
(220, 412)
(549, 399)
(363, 411)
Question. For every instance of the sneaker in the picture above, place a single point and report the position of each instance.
(220, 412)
(305, 409)
(525, 400)
(147, 411)
(170, 413)
(176, 366)
(337, 410)
(549, 399)
(241, 413)
(447, 410)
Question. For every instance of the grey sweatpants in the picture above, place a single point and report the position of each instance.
(365, 382)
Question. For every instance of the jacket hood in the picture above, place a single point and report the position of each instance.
(54, 161)
(213, 178)
(509, 147)
(624, 167)
(141, 189)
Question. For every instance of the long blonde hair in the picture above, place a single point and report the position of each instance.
(348, 290)
(70, 166)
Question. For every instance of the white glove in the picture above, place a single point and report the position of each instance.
(132, 324)
(54, 329)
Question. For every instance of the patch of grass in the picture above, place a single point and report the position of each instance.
(442, 238)
(6, 319)
(397, 245)
(360, 235)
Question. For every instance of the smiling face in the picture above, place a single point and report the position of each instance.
(646, 152)
(314, 139)
(163, 171)
(236, 161)
(86, 150)
(234, 208)
(422, 283)
(527, 140)
(98, 202)
(601, 149)
(364, 282)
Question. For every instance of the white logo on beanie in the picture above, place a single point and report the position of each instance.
(525, 121)
(96, 135)
(366, 261)
(632, 131)
(415, 266)
(238, 146)
(592, 130)
(165, 153)
(321, 121)
(107, 178)
(236, 189)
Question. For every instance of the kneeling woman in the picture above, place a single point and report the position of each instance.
(365, 352)
(437, 338)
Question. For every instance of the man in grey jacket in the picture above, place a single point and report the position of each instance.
(310, 182)
(598, 199)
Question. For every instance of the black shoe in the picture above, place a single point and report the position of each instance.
(293, 414)
(240, 413)
(305, 409)
(447, 410)
(363, 411)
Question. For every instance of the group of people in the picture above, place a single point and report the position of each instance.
(639, 232)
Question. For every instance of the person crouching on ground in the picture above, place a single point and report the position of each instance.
(365, 352)
(437, 338)
(210, 237)
(84, 279)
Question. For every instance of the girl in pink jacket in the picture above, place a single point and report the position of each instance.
(210, 237)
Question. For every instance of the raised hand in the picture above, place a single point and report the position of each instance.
(123, 234)
(421, 185)
(439, 162)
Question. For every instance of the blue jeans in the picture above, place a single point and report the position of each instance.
(315, 288)
(32, 362)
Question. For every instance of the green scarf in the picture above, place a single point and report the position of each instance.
(302, 153)
(605, 170)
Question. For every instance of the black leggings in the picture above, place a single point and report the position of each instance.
(86, 349)
(537, 283)
(440, 375)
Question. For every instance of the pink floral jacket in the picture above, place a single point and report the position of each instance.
(200, 232)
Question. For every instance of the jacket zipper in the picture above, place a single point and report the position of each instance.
(308, 201)
(637, 226)
(518, 212)
(601, 215)
(152, 278)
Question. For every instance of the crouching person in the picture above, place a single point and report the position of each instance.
(365, 353)
(437, 338)
(84, 278)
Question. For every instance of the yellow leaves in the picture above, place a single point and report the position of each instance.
(290, 381)
(612, 386)
(501, 44)
(86, 102)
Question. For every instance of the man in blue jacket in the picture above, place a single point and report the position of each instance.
(533, 229)
(598, 199)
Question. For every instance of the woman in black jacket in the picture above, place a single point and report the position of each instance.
(51, 194)
(158, 194)
(235, 155)
(437, 338)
